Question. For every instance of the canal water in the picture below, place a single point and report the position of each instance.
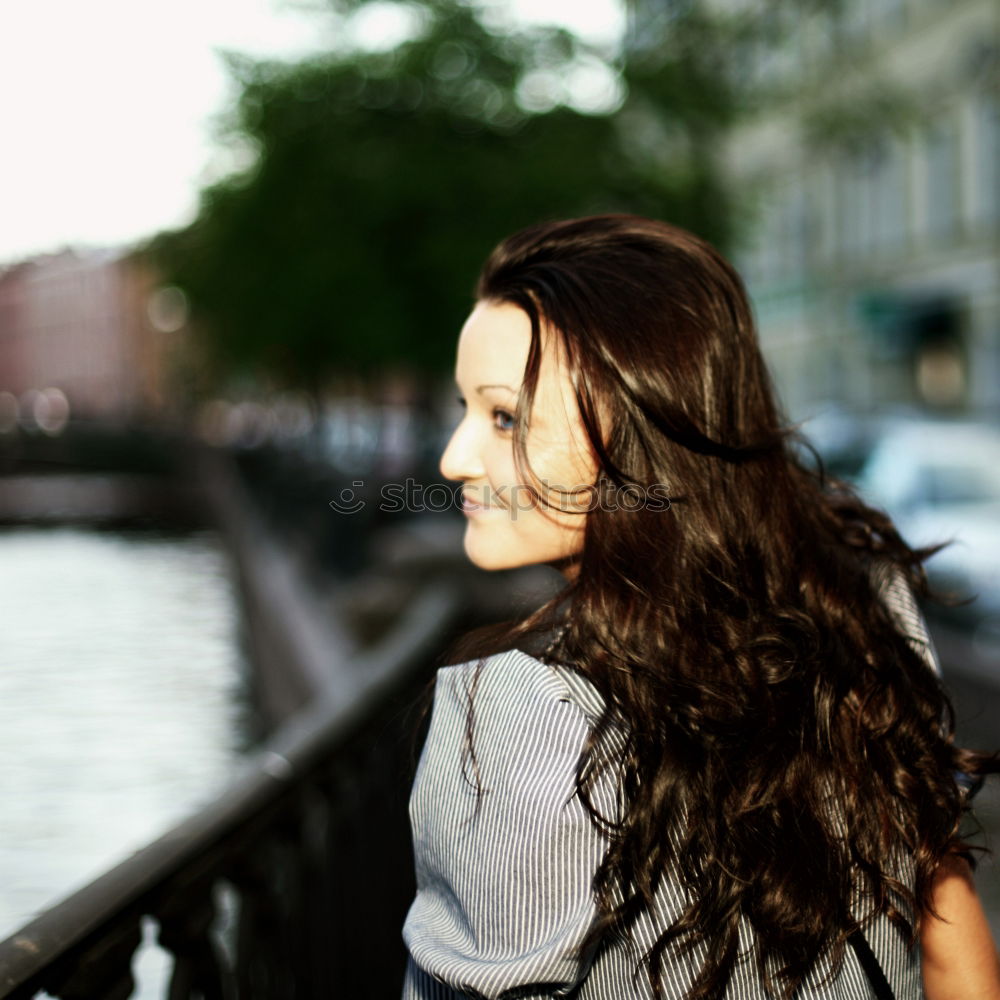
(122, 699)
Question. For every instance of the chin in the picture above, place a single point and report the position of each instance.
(487, 560)
(495, 555)
(490, 550)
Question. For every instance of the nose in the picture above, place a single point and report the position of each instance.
(461, 458)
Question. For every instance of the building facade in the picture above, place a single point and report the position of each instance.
(82, 327)
(873, 169)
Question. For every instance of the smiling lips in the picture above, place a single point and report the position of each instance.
(470, 506)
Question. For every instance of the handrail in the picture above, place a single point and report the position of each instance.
(101, 919)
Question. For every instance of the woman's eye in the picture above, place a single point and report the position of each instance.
(503, 419)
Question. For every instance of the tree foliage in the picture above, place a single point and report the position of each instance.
(381, 179)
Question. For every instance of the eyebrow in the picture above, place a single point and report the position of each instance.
(491, 385)
(495, 385)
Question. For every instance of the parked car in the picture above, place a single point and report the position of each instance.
(842, 437)
(940, 480)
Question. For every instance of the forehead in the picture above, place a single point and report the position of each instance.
(494, 343)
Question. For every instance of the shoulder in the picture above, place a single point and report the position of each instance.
(516, 713)
(503, 872)
(511, 677)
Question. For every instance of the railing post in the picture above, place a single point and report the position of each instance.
(186, 932)
(102, 971)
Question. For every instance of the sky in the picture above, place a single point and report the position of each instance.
(107, 107)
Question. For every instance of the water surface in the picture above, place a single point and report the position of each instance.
(120, 699)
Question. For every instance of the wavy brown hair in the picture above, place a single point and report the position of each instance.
(736, 634)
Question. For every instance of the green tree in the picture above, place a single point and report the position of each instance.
(382, 179)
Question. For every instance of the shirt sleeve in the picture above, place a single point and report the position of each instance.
(895, 592)
(504, 880)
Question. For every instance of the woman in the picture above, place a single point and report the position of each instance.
(720, 761)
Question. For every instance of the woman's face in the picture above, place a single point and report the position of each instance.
(505, 526)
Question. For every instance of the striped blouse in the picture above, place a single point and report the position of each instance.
(504, 890)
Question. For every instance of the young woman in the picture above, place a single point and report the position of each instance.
(720, 762)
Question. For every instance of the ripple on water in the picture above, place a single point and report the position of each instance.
(120, 691)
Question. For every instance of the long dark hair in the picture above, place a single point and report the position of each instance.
(735, 633)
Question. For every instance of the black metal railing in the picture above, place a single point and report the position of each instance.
(292, 884)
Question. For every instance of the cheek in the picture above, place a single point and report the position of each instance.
(501, 472)
(563, 469)
(555, 468)
(557, 529)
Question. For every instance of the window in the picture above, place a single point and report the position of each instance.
(889, 196)
(986, 140)
(942, 192)
(856, 197)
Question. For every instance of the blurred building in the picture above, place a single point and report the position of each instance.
(89, 327)
(874, 173)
